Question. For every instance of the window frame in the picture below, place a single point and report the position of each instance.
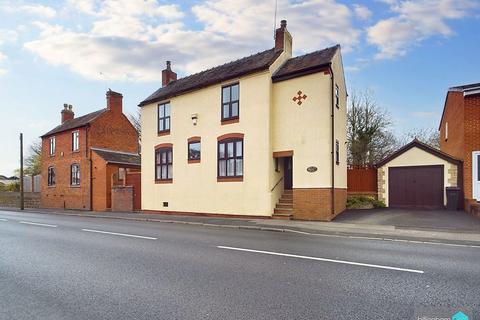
(230, 119)
(337, 152)
(52, 145)
(164, 118)
(75, 180)
(190, 159)
(76, 140)
(337, 96)
(162, 164)
(226, 158)
(51, 176)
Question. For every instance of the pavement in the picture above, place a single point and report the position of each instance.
(76, 267)
(372, 224)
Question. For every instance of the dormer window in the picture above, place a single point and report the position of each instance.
(230, 102)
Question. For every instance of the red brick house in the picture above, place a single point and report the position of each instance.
(84, 157)
(460, 136)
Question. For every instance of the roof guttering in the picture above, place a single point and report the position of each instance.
(302, 72)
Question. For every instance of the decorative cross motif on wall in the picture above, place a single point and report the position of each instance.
(299, 97)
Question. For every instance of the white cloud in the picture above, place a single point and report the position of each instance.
(31, 9)
(131, 39)
(362, 12)
(7, 36)
(415, 21)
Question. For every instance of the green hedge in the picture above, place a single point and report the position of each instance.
(362, 202)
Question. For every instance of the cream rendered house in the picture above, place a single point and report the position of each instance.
(261, 136)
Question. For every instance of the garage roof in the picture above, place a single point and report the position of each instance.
(422, 146)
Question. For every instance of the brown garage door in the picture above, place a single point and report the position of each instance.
(416, 187)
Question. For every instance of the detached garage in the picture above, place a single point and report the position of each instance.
(416, 176)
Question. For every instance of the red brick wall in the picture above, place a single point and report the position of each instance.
(134, 179)
(63, 195)
(315, 203)
(113, 131)
(454, 115)
(122, 199)
(472, 139)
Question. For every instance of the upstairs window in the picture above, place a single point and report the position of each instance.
(164, 118)
(230, 102)
(194, 153)
(337, 96)
(230, 158)
(75, 141)
(337, 152)
(75, 175)
(164, 164)
(446, 131)
(51, 176)
(51, 149)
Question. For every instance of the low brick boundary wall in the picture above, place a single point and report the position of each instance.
(122, 198)
(12, 199)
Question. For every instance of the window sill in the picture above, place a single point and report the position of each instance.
(230, 121)
(230, 179)
(193, 160)
(164, 133)
(75, 186)
(76, 151)
(51, 186)
(164, 181)
(51, 155)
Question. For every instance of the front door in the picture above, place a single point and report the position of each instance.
(287, 164)
(476, 175)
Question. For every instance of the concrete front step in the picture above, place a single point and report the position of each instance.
(283, 210)
(282, 217)
(286, 197)
(284, 205)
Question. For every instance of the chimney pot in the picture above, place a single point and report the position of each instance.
(67, 112)
(168, 75)
(283, 23)
(114, 101)
(283, 39)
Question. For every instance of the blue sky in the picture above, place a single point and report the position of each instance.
(53, 52)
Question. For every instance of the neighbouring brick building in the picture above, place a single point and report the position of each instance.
(460, 135)
(260, 136)
(84, 157)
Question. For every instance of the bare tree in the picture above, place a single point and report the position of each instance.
(33, 163)
(369, 137)
(136, 120)
(428, 136)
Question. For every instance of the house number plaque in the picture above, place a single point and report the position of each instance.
(312, 169)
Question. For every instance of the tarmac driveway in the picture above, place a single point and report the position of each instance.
(417, 219)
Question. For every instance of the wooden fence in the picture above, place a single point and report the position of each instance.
(362, 180)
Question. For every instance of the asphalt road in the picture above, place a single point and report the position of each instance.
(63, 267)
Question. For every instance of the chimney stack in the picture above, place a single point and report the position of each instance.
(168, 75)
(67, 112)
(114, 101)
(283, 39)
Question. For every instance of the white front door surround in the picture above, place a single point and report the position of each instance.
(476, 175)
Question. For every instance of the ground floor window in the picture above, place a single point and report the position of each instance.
(230, 158)
(75, 175)
(164, 164)
(51, 176)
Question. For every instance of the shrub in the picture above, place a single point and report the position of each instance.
(363, 202)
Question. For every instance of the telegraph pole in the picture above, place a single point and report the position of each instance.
(22, 200)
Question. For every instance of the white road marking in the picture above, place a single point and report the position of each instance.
(38, 224)
(119, 234)
(322, 259)
(3, 219)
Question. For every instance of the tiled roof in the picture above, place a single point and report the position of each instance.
(75, 123)
(254, 63)
(118, 157)
(305, 64)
